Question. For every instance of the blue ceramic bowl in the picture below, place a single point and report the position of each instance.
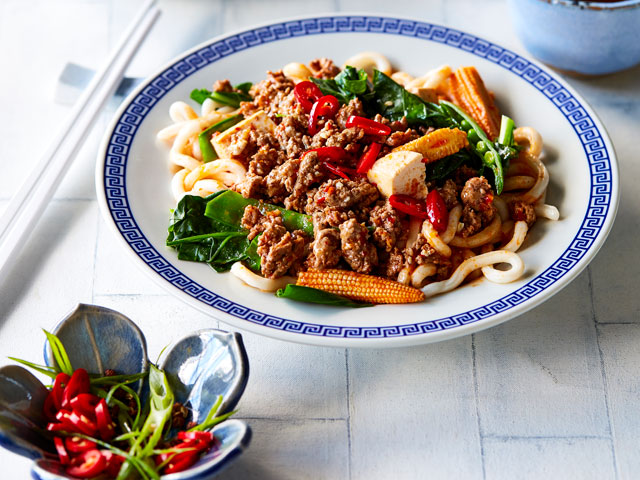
(589, 38)
(199, 367)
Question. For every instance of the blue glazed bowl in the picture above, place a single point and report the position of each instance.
(199, 367)
(589, 38)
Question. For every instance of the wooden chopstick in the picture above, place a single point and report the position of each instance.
(26, 207)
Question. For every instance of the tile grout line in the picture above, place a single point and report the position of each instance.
(546, 437)
(603, 372)
(477, 399)
(348, 378)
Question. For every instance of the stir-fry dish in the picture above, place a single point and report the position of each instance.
(101, 427)
(354, 185)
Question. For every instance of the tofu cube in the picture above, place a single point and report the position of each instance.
(399, 173)
(226, 148)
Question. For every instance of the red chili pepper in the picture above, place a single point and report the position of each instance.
(336, 169)
(83, 424)
(368, 158)
(78, 383)
(196, 435)
(63, 416)
(114, 462)
(78, 445)
(62, 452)
(85, 403)
(88, 464)
(307, 93)
(57, 427)
(437, 211)
(409, 205)
(370, 127)
(53, 402)
(103, 420)
(181, 461)
(325, 107)
(334, 154)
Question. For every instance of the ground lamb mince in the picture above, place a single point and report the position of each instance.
(354, 227)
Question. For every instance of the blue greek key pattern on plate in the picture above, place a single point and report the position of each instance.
(584, 126)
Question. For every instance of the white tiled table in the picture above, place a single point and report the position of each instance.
(552, 394)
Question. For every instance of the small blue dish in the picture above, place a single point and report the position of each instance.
(199, 367)
(580, 37)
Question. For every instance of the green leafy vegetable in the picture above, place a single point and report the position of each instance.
(244, 87)
(393, 101)
(253, 260)
(204, 139)
(314, 295)
(228, 208)
(484, 148)
(347, 85)
(232, 99)
(199, 238)
(444, 167)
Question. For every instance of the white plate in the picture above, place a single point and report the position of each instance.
(132, 179)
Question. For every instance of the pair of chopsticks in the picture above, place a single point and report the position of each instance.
(27, 206)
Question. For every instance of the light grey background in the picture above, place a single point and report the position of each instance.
(552, 394)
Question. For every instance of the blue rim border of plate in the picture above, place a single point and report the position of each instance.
(600, 198)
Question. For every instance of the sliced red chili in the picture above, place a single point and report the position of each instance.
(85, 403)
(78, 383)
(181, 462)
(325, 107)
(62, 452)
(64, 417)
(307, 93)
(338, 170)
(368, 158)
(196, 435)
(57, 427)
(49, 409)
(81, 423)
(53, 402)
(103, 420)
(370, 127)
(437, 211)
(334, 154)
(114, 462)
(409, 205)
(78, 445)
(88, 464)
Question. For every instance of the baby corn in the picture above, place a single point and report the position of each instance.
(357, 286)
(437, 144)
(468, 92)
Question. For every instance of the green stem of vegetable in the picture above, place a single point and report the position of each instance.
(197, 238)
(506, 131)
(43, 369)
(204, 139)
(118, 379)
(491, 158)
(215, 421)
(224, 243)
(59, 353)
(212, 413)
(135, 396)
(161, 404)
(229, 206)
